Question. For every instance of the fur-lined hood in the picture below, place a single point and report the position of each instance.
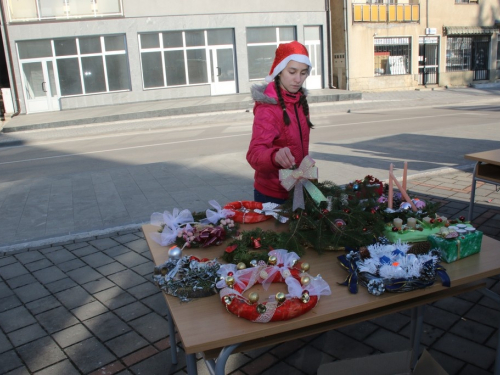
(259, 93)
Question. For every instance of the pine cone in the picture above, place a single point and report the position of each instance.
(420, 247)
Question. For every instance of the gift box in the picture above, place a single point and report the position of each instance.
(453, 249)
(419, 234)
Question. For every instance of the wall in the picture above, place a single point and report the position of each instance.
(360, 51)
(142, 21)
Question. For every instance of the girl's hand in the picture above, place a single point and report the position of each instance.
(284, 158)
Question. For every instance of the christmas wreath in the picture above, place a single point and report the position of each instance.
(303, 290)
(187, 277)
(391, 268)
(247, 211)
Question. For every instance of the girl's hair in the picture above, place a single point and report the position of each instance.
(302, 102)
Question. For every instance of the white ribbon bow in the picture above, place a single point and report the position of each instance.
(213, 217)
(269, 209)
(172, 220)
(172, 223)
(285, 260)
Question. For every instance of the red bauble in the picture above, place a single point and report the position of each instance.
(462, 218)
(432, 221)
(394, 229)
(346, 210)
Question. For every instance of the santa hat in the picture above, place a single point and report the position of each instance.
(286, 52)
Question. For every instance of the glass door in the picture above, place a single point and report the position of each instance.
(428, 62)
(223, 72)
(312, 35)
(40, 86)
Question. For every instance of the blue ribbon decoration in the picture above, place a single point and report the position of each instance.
(352, 279)
(397, 252)
(441, 272)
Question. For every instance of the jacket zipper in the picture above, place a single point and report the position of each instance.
(300, 129)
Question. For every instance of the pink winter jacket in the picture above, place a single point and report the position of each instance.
(270, 133)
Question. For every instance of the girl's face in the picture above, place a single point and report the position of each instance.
(293, 76)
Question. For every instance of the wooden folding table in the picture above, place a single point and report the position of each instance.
(205, 326)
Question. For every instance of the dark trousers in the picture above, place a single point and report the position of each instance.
(259, 197)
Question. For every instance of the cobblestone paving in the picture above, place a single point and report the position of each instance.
(88, 306)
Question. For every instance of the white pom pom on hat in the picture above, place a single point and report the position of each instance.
(285, 53)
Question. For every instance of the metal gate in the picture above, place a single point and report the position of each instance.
(428, 62)
(480, 53)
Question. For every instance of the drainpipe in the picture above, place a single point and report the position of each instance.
(427, 14)
(329, 43)
(11, 64)
(346, 47)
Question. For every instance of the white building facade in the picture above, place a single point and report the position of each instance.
(65, 54)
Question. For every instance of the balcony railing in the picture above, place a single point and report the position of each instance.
(386, 12)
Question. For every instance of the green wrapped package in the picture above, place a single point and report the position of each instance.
(413, 235)
(453, 249)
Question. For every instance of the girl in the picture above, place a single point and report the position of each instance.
(280, 135)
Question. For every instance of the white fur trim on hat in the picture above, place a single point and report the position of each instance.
(297, 57)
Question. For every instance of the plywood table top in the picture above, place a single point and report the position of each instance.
(204, 325)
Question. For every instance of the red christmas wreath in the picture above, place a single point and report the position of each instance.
(304, 290)
(243, 211)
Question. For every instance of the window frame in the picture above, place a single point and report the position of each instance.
(184, 48)
(392, 44)
(78, 56)
(274, 44)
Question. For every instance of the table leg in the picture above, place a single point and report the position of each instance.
(191, 364)
(494, 296)
(473, 192)
(171, 333)
(417, 320)
(220, 364)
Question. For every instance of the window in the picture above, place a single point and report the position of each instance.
(177, 58)
(85, 65)
(261, 46)
(38, 10)
(458, 53)
(392, 56)
(466, 1)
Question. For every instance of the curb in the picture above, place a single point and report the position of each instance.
(54, 241)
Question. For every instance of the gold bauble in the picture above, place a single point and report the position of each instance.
(227, 300)
(261, 309)
(272, 260)
(280, 297)
(253, 297)
(305, 267)
(241, 266)
(230, 281)
(305, 280)
(305, 297)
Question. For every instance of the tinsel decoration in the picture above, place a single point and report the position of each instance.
(255, 244)
(187, 277)
(391, 268)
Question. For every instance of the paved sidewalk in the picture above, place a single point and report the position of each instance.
(88, 306)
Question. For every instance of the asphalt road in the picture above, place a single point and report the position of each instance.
(341, 143)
